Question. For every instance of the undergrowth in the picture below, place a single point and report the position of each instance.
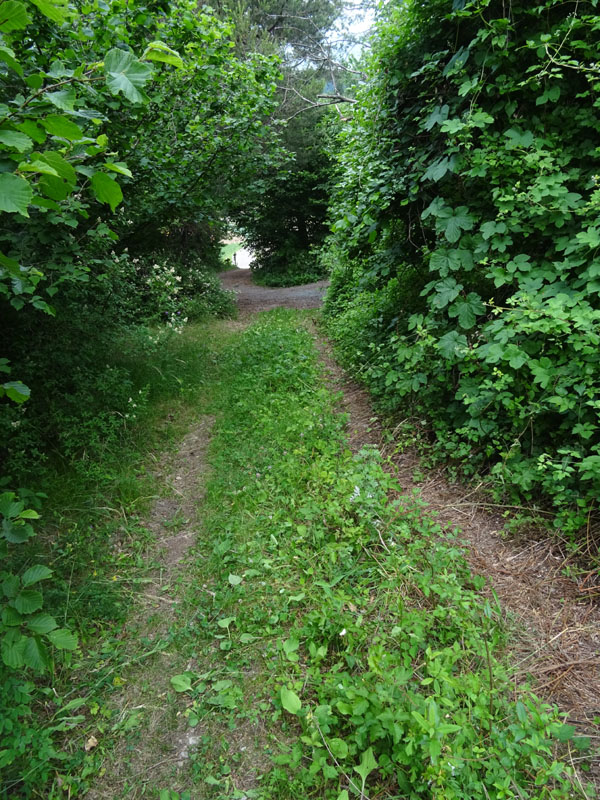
(340, 614)
(92, 546)
(336, 644)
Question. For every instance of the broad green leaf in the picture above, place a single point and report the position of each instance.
(120, 167)
(343, 795)
(467, 309)
(9, 505)
(290, 700)
(35, 654)
(446, 291)
(339, 748)
(63, 127)
(518, 138)
(35, 574)
(126, 75)
(8, 56)
(367, 765)
(183, 682)
(460, 220)
(13, 645)
(437, 170)
(17, 391)
(106, 190)
(289, 648)
(11, 586)
(32, 129)
(63, 639)
(16, 533)
(452, 344)
(60, 164)
(235, 580)
(28, 601)
(56, 10)
(437, 116)
(11, 617)
(13, 16)
(15, 194)
(64, 99)
(159, 51)
(54, 188)
(457, 62)
(41, 623)
(37, 166)
(225, 622)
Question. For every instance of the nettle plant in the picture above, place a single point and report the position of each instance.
(470, 178)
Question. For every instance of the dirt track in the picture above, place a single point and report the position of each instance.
(253, 298)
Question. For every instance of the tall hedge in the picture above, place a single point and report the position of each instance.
(465, 253)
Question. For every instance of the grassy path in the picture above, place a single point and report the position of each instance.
(324, 637)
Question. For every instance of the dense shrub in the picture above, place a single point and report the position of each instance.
(466, 232)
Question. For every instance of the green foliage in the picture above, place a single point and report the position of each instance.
(465, 238)
(381, 656)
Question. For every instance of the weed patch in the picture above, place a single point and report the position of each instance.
(337, 617)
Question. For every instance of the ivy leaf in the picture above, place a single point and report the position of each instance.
(63, 639)
(13, 16)
(126, 75)
(437, 170)
(290, 700)
(457, 62)
(35, 574)
(107, 190)
(15, 194)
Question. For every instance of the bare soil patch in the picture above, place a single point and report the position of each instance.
(252, 298)
(156, 742)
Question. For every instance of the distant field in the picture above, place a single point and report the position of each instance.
(228, 250)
